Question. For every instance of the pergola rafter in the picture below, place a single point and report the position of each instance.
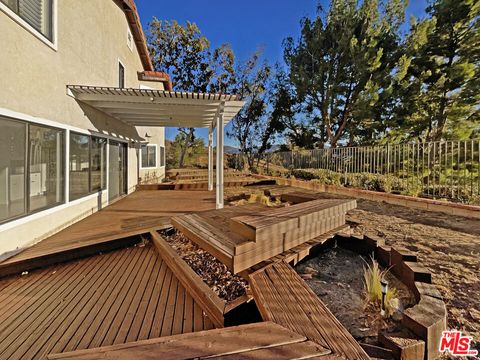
(147, 107)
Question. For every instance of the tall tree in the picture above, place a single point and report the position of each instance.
(441, 97)
(185, 54)
(341, 61)
(250, 126)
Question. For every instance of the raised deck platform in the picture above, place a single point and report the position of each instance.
(284, 298)
(110, 228)
(244, 236)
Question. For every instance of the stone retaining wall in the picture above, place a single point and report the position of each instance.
(427, 319)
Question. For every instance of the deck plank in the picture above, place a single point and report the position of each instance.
(282, 296)
(259, 339)
(113, 227)
(103, 299)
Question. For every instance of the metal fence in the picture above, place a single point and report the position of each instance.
(446, 169)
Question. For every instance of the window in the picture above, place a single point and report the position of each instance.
(88, 165)
(46, 167)
(79, 165)
(98, 156)
(129, 39)
(149, 156)
(25, 189)
(121, 75)
(162, 156)
(36, 13)
(12, 168)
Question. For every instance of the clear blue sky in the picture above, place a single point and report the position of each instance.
(244, 24)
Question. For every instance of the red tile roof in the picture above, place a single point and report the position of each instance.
(130, 9)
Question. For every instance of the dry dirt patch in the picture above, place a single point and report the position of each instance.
(448, 245)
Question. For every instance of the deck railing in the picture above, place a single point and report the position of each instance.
(443, 169)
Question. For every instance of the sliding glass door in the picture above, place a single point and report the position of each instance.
(117, 169)
(32, 171)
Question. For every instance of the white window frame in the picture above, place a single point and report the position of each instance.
(132, 41)
(156, 157)
(120, 62)
(53, 44)
(164, 157)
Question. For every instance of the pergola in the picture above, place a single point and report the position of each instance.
(146, 107)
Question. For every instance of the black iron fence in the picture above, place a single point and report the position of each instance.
(444, 169)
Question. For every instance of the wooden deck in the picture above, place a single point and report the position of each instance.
(254, 341)
(244, 236)
(122, 296)
(137, 213)
(284, 298)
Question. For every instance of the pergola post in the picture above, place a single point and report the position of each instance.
(219, 180)
(210, 158)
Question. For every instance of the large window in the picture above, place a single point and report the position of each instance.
(46, 159)
(79, 165)
(37, 13)
(149, 156)
(98, 157)
(87, 165)
(12, 168)
(25, 189)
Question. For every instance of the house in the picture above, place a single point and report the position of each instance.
(59, 160)
(82, 114)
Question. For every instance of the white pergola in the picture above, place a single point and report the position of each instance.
(145, 107)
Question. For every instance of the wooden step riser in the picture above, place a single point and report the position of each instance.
(266, 250)
(283, 226)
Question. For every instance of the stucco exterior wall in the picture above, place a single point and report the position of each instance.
(91, 40)
(156, 137)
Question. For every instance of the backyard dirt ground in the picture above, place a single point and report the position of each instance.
(448, 245)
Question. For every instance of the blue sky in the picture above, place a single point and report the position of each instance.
(246, 24)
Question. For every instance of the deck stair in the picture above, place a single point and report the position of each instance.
(284, 298)
(243, 236)
(263, 340)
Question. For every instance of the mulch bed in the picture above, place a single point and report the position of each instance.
(215, 274)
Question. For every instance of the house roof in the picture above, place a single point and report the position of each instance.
(146, 107)
(130, 10)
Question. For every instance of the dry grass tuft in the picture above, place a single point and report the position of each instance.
(372, 277)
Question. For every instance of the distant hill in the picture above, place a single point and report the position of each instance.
(231, 150)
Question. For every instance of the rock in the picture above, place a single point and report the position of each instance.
(475, 314)
(309, 270)
(306, 276)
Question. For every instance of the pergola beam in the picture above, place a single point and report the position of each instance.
(210, 158)
(219, 179)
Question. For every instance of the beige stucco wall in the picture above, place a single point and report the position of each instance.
(91, 39)
(156, 137)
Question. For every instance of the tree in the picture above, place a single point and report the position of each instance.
(250, 126)
(341, 62)
(284, 115)
(184, 53)
(440, 97)
(196, 154)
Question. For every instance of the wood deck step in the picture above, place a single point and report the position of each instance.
(263, 226)
(230, 236)
(284, 298)
(264, 340)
